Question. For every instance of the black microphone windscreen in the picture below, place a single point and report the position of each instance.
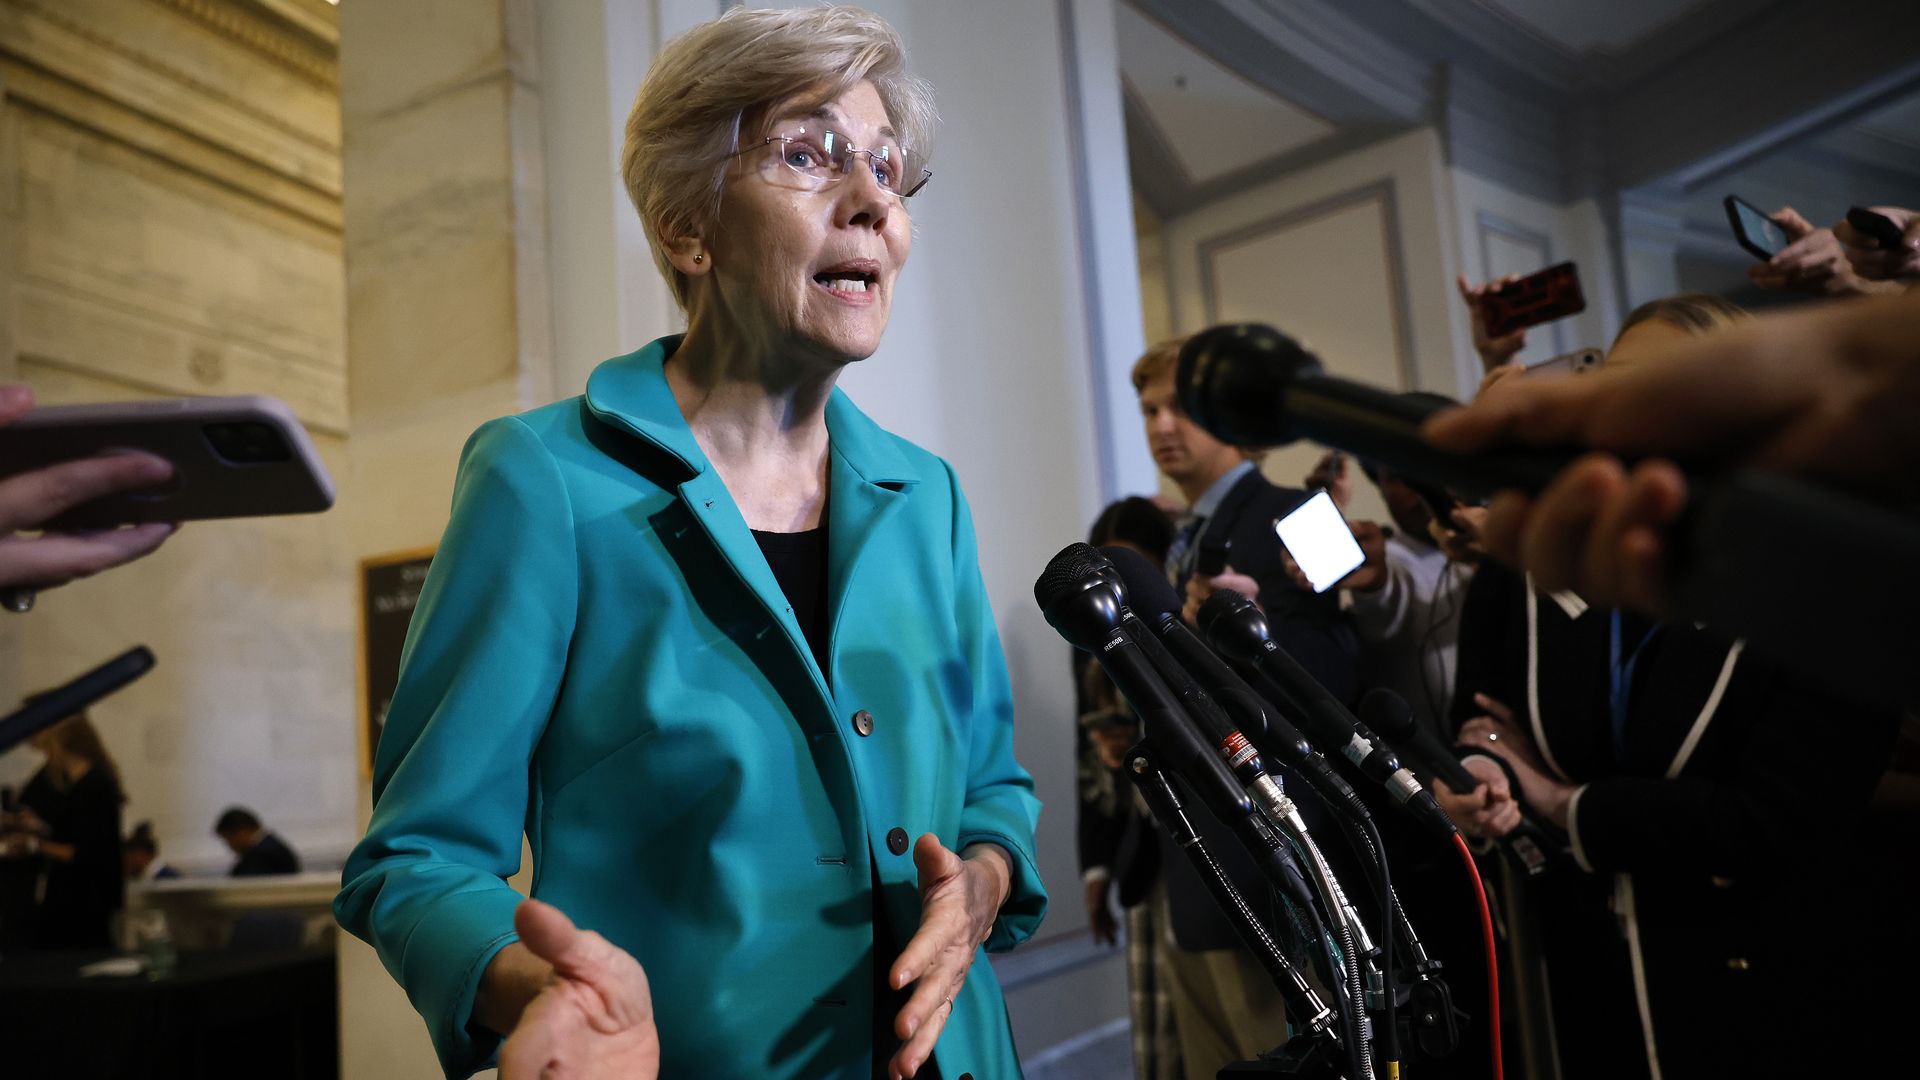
(1388, 713)
(1233, 380)
(1066, 572)
(1148, 592)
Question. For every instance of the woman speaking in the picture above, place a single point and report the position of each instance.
(716, 644)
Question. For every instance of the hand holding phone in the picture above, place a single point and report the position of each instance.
(1754, 229)
(1553, 293)
(1320, 541)
(34, 499)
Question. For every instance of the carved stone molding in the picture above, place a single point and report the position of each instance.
(297, 52)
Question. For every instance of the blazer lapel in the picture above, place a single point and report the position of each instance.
(869, 479)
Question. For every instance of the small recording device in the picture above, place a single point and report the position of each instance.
(231, 457)
(1577, 362)
(1553, 293)
(1879, 226)
(1759, 234)
(1320, 542)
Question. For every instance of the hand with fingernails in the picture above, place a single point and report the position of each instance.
(959, 900)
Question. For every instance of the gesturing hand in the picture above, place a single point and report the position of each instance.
(593, 1019)
(959, 899)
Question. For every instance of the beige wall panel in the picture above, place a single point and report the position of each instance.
(430, 225)
(118, 251)
(1324, 276)
(299, 137)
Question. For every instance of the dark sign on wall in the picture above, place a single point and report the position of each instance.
(389, 588)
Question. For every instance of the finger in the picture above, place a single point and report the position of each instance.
(52, 559)
(934, 1016)
(535, 1042)
(1466, 288)
(1790, 220)
(1554, 543)
(1507, 517)
(1495, 708)
(33, 498)
(1640, 504)
(16, 400)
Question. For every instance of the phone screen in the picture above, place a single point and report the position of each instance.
(1318, 539)
(1760, 230)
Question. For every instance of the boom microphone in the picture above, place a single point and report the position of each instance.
(1251, 385)
(63, 701)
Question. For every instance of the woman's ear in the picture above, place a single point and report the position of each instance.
(688, 254)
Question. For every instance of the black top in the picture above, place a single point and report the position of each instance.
(799, 562)
(81, 894)
(270, 856)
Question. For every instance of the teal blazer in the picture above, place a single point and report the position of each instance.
(602, 659)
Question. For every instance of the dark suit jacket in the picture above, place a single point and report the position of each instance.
(269, 856)
(1315, 633)
(1723, 870)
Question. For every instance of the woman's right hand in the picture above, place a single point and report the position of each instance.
(591, 1018)
(1494, 351)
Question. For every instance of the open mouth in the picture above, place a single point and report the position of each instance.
(854, 279)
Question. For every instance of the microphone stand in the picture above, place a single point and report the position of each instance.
(1314, 1050)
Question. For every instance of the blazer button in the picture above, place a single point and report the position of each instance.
(1739, 963)
(863, 722)
(897, 841)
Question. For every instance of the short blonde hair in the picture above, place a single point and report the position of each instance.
(709, 82)
(1696, 313)
(1161, 358)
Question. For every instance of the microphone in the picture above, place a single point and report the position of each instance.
(63, 701)
(1390, 714)
(1149, 594)
(1251, 385)
(1236, 627)
(1082, 603)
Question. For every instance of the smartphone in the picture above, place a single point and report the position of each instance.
(1577, 362)
(1877, 225)
(1553, 293)
(231, 456)
(1759, 234)
(1319, 540)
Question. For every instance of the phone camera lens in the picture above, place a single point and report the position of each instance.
(247, 443)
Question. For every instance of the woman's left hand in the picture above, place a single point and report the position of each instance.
(1496, 734)
(959, 900)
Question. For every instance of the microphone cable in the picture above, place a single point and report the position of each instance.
(1493, 958)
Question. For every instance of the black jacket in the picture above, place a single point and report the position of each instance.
(1712, 828)
(268, 856)
(1312, 629)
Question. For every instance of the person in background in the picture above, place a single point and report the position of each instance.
(141, 856)
(1225, 1007)
(1672, 760)
(260, 852)
(1116, 841)
(68, 818)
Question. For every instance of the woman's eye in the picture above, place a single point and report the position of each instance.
(800, 157)
(883, 172)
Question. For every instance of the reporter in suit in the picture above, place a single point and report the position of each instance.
(718, 644)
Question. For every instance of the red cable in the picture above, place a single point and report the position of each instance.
(1493, 959)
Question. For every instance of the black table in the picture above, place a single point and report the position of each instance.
(220, 1014)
